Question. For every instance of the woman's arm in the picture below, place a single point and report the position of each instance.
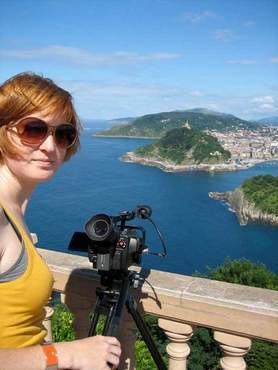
(93, 353)
(31, 358)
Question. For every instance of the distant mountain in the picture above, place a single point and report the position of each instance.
(98, 124)
(121, 121)
(272, 121)
(185, 146)
(156, 125)
(207, 111)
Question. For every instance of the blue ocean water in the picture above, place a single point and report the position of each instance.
(199, 231)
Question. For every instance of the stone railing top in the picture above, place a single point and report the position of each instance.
(223, 306)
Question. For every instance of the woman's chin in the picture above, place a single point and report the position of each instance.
(40, 176)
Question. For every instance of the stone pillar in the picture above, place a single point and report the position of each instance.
(127, 338)
(234, 348)
(63, 298)
(178, 349)
(81, 307)
(47, 323)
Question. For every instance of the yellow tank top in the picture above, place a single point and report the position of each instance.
(22, 300)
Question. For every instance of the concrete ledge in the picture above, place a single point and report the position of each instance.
(231, 308)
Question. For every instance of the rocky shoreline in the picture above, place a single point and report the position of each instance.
(171, 167)
(246, 211)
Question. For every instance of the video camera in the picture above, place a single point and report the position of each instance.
(111, 244)
(112, 247)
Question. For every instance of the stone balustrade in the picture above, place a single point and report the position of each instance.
(236, 313)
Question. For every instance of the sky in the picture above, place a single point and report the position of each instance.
(127, 58)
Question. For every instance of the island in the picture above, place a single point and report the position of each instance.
(182, 149)
(256, 200)
(248, 143)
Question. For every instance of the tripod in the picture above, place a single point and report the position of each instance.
(111, 302)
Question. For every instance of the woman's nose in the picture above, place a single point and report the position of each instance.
(49, 143)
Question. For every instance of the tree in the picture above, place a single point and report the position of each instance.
(263, 355)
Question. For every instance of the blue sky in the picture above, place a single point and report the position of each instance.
(122, 58)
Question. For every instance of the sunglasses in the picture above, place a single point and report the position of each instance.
(33, 131)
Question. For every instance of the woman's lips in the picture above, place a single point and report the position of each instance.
(44, 162)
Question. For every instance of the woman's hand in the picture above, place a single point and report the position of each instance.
(93, 353)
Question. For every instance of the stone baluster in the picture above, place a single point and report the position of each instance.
(178, 349)
(47, 323)
(81, 307)
(234, 348)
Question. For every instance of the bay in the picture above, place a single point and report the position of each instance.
(199, 231)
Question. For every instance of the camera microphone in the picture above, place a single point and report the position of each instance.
(143, 211)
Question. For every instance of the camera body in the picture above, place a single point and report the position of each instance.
(111, 244)
(118, 256)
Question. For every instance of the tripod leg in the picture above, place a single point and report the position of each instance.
(141, 325)
(102, 308)
(112, 328)
(110, 303)
(108, 320)
(92, 330)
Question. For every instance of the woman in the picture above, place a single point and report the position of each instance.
(39, 130)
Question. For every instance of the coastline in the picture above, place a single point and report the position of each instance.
(165, 166)
(245, 210)
(126, 137)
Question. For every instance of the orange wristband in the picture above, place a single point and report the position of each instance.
(50, 356)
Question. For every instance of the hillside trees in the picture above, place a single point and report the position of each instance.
(186, 146)
(262, 190)
(156, 125)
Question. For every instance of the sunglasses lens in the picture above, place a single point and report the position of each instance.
(32, 132)
(65, 135)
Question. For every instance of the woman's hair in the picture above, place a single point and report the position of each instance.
(28, 93)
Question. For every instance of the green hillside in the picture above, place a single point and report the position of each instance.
(185, 146)
(262, 190)
(156, 125)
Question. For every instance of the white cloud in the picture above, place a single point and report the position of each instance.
(196, 93)
(83, 57)
(267, 106)
(242, 61)
(101, 89)
(263, 105)
(199, 17)
(246, 107)
(274, 60)
(249, 23)
(214, 106)
(263, 99)
(102, 99)
(224, 35)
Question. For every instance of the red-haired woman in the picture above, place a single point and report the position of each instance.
(39, 130)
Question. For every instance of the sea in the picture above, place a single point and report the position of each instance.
(199, 232)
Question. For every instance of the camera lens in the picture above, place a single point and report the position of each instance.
(100, 228)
